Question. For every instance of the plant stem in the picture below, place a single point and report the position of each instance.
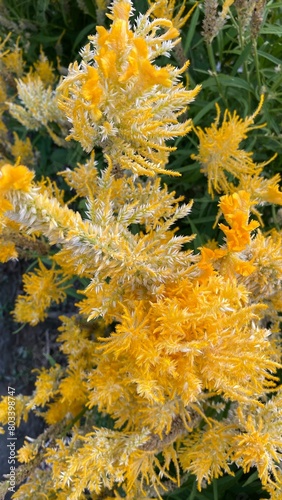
(214, 72)
(215, 490)
(256, 63)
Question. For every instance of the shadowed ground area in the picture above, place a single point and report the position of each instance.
(22, 349)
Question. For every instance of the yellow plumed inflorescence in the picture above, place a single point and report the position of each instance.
(118, 99)
(171, 357)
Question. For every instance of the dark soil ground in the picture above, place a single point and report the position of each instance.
(22, 349)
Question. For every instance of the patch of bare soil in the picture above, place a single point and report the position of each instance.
(22, 349)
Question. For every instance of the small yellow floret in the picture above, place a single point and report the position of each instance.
(219, 151)
(15, 177)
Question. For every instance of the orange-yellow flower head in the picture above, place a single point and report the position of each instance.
(13, 178)
(219, 153)
(16, 178)
(119, 99)
(236, 210)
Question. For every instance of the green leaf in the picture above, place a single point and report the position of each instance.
(251, 479)
(83, 34)
(270, 57)
(271, 30)
(205, 110)
(227, 81)
(241, 59)
(191, 30)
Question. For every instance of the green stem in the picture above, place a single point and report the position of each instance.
(215, 490)
(214, 72)
(193, 492)
(274, 217)
(74, 420)
(257, 63)
(245, 66)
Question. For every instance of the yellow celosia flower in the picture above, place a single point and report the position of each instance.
(264, 284)
(76, 344)
(219, 153)
(59, 410)
(39, 107)
(230, 259)
(138, 264)
(46, 386)
(27, 452)
(117, 98)
(12, 59)
(22, 149)
(15, 177)
(236, 210)
(196, 338)
(41, 288)
(7, 250)
(261, 189)
(259, 444)
(166, 8)
(207, 453)
(21, 410)
(83, 178)
(44, 69)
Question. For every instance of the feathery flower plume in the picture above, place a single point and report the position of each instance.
(219, 152)
(119, 99)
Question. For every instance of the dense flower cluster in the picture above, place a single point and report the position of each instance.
(119, 99)
(176, 352)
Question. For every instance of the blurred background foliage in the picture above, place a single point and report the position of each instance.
(234, 66)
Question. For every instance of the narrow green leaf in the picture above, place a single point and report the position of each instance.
(270, 57)
(226, 81)
(251, 479)
(241, 59)
(205, 110)
(82, 35)
(275, 5)
(271, 30)
(191, 30)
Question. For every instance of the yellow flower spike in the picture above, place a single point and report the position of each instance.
(27, 452)
(7, 250)
(235, 258)
(46, 386)
(121, 9)
(259, 445)
(20, 408)
(12, 59)
(206, 453)
(44, 69)
(118, 84)
(261, 189)
(166, 8)
(219, 151)
(236, 210)
(41, 288)
(236, 206)
(22, 149)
